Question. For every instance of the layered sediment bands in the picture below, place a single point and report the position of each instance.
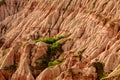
(59, 39)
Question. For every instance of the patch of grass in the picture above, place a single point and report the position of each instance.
(46, 60)
(55, 45)
(51, 40)
(54, 63)
(54, 51)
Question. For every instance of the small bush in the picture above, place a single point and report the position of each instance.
(49, 40)
(55, 45)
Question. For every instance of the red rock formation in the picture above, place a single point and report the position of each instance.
(59, 39)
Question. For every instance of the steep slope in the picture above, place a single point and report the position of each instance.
(11, 7)
(59, 39)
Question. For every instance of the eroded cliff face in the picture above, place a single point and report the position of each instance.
(11, 7)
(59, 40)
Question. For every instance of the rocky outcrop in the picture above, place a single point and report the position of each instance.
(59, 39)
(11, 7)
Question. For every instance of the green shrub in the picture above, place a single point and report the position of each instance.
(51, 40)
(46, 60)
(55, 45)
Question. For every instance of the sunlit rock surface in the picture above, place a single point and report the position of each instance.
(31, 47)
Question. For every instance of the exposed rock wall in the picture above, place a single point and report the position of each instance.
(93, 28)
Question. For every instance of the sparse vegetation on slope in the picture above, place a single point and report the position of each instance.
(54, 51)
(54, 63)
